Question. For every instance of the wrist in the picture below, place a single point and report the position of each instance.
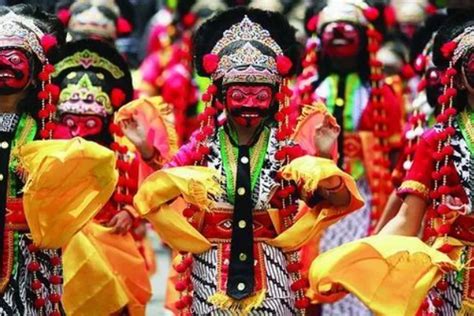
(324, 154)
(146, 151)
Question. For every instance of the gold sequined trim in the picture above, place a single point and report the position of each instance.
(411, 185)
(8, 252)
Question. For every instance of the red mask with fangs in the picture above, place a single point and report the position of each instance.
(14, 71)
(340, 39)
(248, 105)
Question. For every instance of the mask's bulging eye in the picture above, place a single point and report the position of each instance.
(330, 27)
(263, 96)
(89, 98)
(91, 123)
(15, 59)
(75, 97)
(237, 96)
(69, 122)
(348, 28)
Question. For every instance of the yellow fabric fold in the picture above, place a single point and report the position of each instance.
(89, 283)
(191, 182)
(68, 183)
(115, 269)
(176, 231)
(391, 275)
(307, 171)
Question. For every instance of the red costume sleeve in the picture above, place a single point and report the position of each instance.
(418, 178)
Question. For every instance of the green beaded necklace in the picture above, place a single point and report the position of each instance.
(229, 152)
(465, 121)
(352, 85)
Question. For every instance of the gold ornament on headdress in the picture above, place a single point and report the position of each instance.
(87, 59)
(84, 89)
(247, 63)
(465, 42)
(20, 32)
(259, 67)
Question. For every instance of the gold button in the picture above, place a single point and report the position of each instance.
(244, 160)
(241, 191)
(4, 145)
(241, 286)
(1, 177)
(242, 257)
(242, 224)
(339, 102)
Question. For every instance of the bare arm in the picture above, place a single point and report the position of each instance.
(391, 209)
(408, 220)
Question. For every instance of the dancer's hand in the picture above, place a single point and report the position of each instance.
(134, 129)
(121, 223)
(326, 135)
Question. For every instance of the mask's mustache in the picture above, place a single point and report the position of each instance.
(16, 73)
(249, 110)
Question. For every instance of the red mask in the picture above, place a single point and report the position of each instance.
(72, 125)
(248, 105)
(14, 71)
(340, 39)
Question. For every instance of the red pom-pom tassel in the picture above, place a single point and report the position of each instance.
(302, 303)
(48, 41)
(123, 26)
(312, 24)
(64, 15)
(407, 71)
(210, 62)
(371, 13)
(448, 48)
(284, 65)
(117, 97)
